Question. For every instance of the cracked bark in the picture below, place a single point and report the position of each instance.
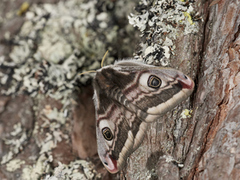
(209, 147)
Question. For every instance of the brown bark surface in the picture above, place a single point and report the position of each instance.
(217, 115)
(208, 147)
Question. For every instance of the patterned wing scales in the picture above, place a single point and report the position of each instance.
(129, 95)
(127, 134)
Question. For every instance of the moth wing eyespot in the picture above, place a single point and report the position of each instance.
(154, 82)
(107, 134)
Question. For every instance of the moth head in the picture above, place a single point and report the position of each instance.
(105, 141)
(185, 81)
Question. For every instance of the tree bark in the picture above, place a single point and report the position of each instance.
(208, 143)
(217, 98)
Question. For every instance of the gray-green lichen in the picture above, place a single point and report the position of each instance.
(55, 44)
(71, 171)
(160, 23)
(14, 165)
(59, 41)
(15, 140)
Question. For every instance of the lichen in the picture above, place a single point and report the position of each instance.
(161, 22)
(36, 171)
(56, 43)
(186, 113)
(15, 142)
(71, 171)
(14, 164)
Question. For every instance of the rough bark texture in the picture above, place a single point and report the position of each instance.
(216, 135)
(205, 145)
(209, 144)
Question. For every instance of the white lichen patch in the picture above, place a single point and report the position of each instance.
(59, 41)
(15, 144)
(161, 22)
(17, 129)
(36, 171)
(72, 171)
(7, 157)
(53, 119)
(14, 165)
(48, 144)
(53, 114)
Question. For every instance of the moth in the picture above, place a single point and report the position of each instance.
(128, 96)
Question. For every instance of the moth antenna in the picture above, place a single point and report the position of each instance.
(87, 72)
(104, 58)
(101, 64)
